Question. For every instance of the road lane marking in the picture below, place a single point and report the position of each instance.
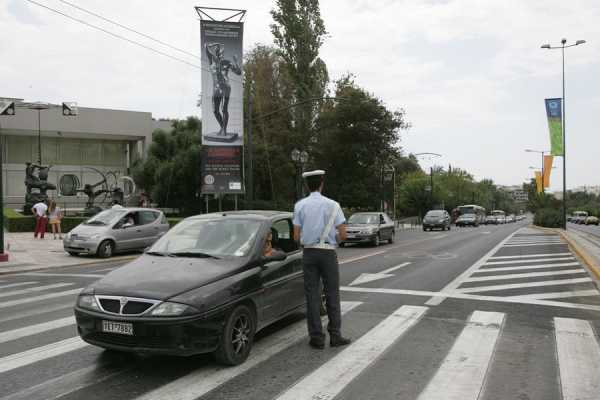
(202, 381)
(11, 285)
(38, 298)
(364, 278)
(466, 296)
(14, 334)
(536, 244)
(462, 374)
(531, 260)
(524, 275)
(522, 267)
(31, 356)
(523, 285)
(458, 280)
(59, 274)
(558, 295)
(68, 383)
(332, 377)
(578, 359)
(349, 260)
(531, 256)
(35, 289)
(37, 311)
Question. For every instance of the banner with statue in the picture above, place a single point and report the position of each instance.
(554, 114)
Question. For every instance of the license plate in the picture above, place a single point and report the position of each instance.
(122, 328)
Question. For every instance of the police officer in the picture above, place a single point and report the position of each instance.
(316, 219)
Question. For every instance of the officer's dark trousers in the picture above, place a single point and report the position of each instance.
(322, 265)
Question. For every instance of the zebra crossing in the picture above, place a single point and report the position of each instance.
(461, 374)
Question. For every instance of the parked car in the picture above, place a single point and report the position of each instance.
(116, 230)
(436, 219)
(205, 286)
(467, 220)
(491, 219)
(579, 217)
(369, 227)
(510, 218)
(591, 220)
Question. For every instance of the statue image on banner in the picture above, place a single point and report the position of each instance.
(219, 68)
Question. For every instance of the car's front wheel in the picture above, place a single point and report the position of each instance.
(376, 240)
(391, 239)
(238, 336)
(106, 249)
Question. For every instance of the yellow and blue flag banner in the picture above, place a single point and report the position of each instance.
(538, 181)
(547, 169)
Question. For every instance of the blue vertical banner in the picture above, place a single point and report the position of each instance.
(554, 114)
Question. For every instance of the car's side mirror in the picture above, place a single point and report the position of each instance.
(276, 256)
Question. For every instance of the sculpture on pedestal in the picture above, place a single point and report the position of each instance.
(36, 182)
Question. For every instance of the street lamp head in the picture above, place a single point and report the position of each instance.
(545, 46)
(579, 42)
(295, 155)
(303, 157)
(563, 41)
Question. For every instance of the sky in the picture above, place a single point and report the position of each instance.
(470, 74)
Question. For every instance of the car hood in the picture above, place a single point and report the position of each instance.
(432, 218)
(89, 230)
(361, 226)
(160, 278)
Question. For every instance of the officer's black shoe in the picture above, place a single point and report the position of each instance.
(337, 341)
(317, 343)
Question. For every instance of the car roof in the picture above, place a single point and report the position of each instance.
(252, 214)
(130, 209)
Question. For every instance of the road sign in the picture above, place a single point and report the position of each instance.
(7, 107)
(70, 109)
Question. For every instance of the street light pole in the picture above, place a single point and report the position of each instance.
(542, 152)
(564, 138)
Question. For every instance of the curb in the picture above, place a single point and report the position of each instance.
(581, 253)
(17, 269)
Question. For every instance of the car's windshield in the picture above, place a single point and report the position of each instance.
(364, 219)
(214, 237)
(434, 214)
(468, 216)
(106, 217)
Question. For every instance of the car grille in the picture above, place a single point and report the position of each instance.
(131, 341)
(122, 305)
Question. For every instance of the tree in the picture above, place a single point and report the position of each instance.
(358, 136)
(171, 171)
(298, 32)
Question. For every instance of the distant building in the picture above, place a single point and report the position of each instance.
(588, 189)
(103, 139)
(517, 193)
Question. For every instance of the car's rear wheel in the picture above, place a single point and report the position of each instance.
(106, 249)
(238, 336)
(391, 239)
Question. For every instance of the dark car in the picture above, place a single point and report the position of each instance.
(205, 286)
(369, 227)
(436, 219)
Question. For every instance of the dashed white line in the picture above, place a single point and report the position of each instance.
(12, 285)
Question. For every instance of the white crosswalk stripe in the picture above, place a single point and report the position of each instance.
(557, 295)
(40, 353)
(203, 381)
(34, 289)
(533, 260)
(66, 275)
(35, 329)
(527, 267)
(520, 256)
(524, 275)
(493, 288)
(37, 311)
(462, 373)
(34, 299)
(578, 359)
(331, 378)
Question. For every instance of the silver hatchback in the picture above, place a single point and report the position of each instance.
(116, 230)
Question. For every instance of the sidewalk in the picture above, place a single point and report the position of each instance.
(586, 246)
(27, 254)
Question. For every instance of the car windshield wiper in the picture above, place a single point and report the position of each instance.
(160, 253)
(194, 254)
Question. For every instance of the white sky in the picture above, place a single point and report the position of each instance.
(470, 73)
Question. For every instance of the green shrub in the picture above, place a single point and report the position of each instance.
(548, 218)
(16, 222)
(173, 221)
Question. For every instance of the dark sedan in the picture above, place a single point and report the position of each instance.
(205, 286)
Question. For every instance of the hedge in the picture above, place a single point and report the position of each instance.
(548, 218)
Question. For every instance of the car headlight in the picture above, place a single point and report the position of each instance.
(441, 220)
(168, 309)
(89, 302)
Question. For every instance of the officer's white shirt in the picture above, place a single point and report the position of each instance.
(312, 214)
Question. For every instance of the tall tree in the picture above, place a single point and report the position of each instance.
(299, 31)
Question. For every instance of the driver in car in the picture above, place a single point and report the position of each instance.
(268, 249)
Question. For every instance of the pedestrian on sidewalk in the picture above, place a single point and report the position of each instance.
(40, 209)
(55, 215)
(316, 220)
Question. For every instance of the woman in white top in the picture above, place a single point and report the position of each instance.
(55, 215)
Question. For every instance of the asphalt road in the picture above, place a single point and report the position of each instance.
(495, 312)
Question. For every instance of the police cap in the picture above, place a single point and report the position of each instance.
(316, 172)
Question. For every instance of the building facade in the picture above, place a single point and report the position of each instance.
(94, 140)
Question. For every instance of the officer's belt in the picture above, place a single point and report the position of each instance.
(322, 246)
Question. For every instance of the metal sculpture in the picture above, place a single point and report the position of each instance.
(111, 187)
(36, 178)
